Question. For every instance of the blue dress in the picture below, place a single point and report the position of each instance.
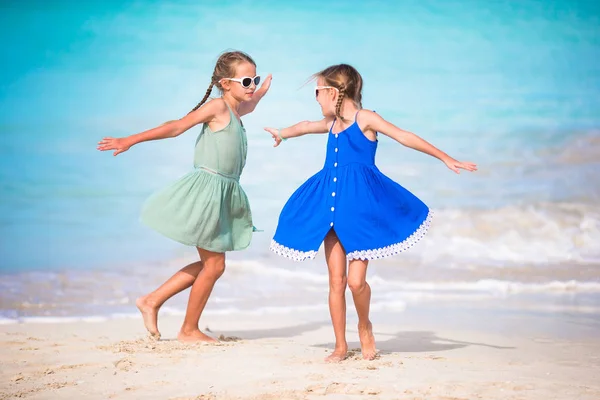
(373, 216)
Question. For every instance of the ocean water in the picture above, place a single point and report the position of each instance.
(512, 86)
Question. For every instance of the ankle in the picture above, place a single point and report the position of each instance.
(341, 347)
(365, 324)
(149, 301)
(188, 330)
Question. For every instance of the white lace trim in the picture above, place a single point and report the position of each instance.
(395, 248)
(382, 252)
(292, 254)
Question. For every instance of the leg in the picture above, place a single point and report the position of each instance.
(361, 293)
(336, 263)
(151, 303)
(214, 266)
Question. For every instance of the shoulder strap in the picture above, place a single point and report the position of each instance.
(232, 114)
(229, 108)
(356, 116)
(332, 124)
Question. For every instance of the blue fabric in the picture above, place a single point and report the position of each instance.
(367, 210)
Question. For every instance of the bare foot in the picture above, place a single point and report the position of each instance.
(195, 336)
(338, 355)
(150, 315)
(367, 341)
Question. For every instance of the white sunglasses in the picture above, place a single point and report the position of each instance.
(317, 88)
(246, 81)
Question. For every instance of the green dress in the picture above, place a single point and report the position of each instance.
(207, 208)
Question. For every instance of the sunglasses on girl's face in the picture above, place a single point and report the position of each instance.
(246, 81)
(323, 87)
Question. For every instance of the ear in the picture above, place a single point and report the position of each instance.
(225, 84)
(334, 94)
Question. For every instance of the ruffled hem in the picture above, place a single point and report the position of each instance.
(295, 255)
(395, 248)
(373, 254)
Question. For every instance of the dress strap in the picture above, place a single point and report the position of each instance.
(356, 116)
(227, 104)
(332, 124)
(232, 114)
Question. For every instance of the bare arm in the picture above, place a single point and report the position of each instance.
(299, 129)
(376, 123)
(171, 129)
(248, 106)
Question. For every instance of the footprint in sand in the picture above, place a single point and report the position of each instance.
(224, 338)
(124, 364)
(146, 345)
(131, 346)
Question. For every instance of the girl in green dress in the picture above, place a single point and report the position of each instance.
(206, 208)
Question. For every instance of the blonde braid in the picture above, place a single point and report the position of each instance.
(338, 105)
(348, 82)
(208, 92)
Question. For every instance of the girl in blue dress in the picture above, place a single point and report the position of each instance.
(359, 213)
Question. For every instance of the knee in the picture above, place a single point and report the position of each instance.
(357, 285)
(215, 268)
(338, 284)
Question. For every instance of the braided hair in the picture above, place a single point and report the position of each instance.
(340, 100)
(206, 95)
(347, 81)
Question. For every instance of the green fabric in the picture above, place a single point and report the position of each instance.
(207, 207)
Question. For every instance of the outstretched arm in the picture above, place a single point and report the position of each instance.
(248, 106)
(171, 129)
(376, 123)
(301, 128)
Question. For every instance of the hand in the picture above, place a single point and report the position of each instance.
(455, 165)
(120, 145)
(266, 84)
(275, 133)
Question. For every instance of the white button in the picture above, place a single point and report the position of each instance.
(333, 194)
(331, 224)
(335, 164)
(336, 135)
(335, 179)
(332, 208)
(336, 149)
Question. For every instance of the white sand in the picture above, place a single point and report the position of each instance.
(455, 356)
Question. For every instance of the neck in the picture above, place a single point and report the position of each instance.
(231, 101)
(349, 110)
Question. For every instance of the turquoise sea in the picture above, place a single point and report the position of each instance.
(512, 86)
